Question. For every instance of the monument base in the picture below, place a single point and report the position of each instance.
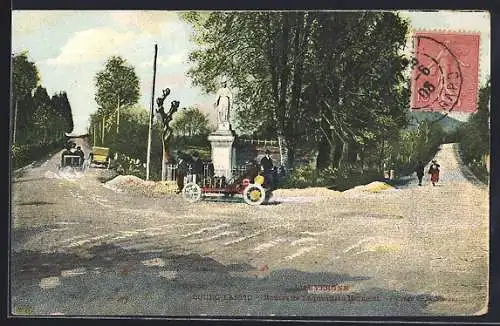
(223, 157)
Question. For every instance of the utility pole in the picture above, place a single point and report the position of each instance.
(151, 115)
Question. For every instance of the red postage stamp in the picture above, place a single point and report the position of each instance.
(445, 71)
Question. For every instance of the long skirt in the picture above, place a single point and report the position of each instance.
(435, 177)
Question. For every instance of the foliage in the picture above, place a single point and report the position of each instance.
(117, 85)
(23, 155)
(335, 78)
(24, 75)
(333, 178)
(134, 124)
(417, 144)
(475, 135)
(190, 122)
(37, 117)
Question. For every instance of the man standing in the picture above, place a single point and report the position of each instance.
(266, 164)
(182, 170)
(419, 169)
(197, 167)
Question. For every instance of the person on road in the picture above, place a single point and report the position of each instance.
(266, 164)
(64, 154)
(80, 153)
(434, 172)
(197, 167)
(419, 169)
(72, 148)
(182, 169)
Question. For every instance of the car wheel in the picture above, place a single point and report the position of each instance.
(254, 194)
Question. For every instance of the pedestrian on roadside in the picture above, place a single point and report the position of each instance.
(434, 172)
(197, 166)
(182, 170)
(419, 169)
(267, 166)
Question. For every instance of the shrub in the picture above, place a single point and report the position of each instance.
(22, 155)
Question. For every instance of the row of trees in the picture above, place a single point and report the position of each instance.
(474, 136)
(122, 125)
(334, 78)
(37, 117)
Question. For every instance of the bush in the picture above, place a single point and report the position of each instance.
(23, 155)
(332, 178)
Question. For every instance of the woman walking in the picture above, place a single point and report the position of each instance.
(434, 172)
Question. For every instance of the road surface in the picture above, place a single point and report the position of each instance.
(79, 248)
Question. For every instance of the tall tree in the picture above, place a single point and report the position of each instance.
(63, 111)
(44, 115)
(339, 73)
(190, 122)
(357, 92)
(475, 134)
(24, 80)
(117, 85)
(262, 53)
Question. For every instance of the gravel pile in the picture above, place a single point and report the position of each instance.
(373, 187)
(307, 192)
(134, 185)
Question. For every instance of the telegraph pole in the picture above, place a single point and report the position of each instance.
(151, 115)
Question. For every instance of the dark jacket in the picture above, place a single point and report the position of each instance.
(434, 168)
(183, 165)
(419, 169)
(197, 167)
(267, 164)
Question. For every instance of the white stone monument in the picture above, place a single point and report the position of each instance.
(223, 152)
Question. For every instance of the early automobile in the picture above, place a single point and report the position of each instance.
(250, 184)
(100, 156)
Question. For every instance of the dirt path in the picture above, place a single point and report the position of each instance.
(419, 250)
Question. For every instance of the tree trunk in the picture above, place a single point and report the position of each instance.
(165, 139)
(323, 159)
(164, 160)
(283, 146)
(336, 152)
(14, 128)
(118, 117)
(103, 128)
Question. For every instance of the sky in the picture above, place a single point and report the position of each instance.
(70, 47)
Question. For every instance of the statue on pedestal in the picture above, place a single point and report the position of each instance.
(223, 104)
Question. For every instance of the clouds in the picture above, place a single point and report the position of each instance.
(25, 22)
(170, 60)
(152, 22)
(70, 47)
(91, 45)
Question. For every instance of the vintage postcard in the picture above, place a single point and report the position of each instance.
(249, 163)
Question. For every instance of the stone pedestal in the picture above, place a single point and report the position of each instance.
(223, 152)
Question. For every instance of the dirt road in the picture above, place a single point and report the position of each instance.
(79, 248)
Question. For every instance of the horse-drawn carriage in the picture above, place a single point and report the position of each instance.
(250, 183)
